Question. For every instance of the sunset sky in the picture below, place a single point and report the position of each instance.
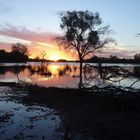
(36, 23)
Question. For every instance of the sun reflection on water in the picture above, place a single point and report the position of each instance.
(53, 69)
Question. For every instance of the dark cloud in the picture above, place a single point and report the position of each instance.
(138, 35)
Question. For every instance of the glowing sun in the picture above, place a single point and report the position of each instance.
(54, 57)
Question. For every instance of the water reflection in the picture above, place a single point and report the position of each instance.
(41, 70)
(67, 74)
(137, 71)
(11, 74)
(54, 74)
(112, 75)
(13, 69)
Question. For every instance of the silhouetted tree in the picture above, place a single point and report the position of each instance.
(3, 55)
(84, 33)
(112, 57)
(18, 47)
(19, 52)
(37, 58)
(43, 56)
(137, 57)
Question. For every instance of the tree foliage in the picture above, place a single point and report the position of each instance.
(83, 31)
(19, 53)
(137, 56)
(19, 48)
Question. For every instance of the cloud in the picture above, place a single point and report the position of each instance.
(7, 39)
(138, 35)
(35, 40)
(21, 32)
(38, 40)
(4, 8)
(118, 50)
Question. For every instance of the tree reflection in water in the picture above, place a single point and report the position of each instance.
(88, 116)
(50, 70)
(46, 74)
(113, 74)
(40, 70)
(96, 75)
(12, 69)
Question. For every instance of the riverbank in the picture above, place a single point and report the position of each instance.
(86, 114)
(103, 115)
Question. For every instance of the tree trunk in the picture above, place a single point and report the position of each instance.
(66, 133)
(81, 71)
(17, 72)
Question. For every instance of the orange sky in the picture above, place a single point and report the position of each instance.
(35, 41)
(38, 41)
(53, 52)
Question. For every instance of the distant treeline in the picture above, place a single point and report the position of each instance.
(12, 57)
(114, 59)
(18, 53)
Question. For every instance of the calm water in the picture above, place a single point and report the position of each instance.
(22, 120)
(64, 75)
